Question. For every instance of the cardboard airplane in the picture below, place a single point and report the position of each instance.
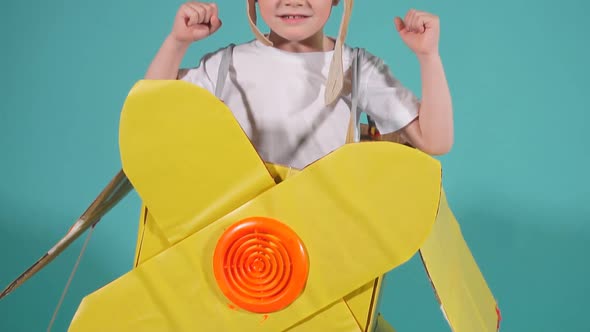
(227, 242)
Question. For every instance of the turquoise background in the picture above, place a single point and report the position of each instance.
(517, 177)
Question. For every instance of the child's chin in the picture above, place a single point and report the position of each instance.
(295, 37)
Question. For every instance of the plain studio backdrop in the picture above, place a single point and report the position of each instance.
(517, 178)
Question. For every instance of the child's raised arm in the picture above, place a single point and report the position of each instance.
(194, 21)
(433, 131)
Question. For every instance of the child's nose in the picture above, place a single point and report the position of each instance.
(293, 3)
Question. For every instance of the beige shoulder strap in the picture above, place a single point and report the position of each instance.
(353, 133)
(226, 59)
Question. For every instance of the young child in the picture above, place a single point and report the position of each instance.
(280, 86)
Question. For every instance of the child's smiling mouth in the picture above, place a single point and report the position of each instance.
(298, 18)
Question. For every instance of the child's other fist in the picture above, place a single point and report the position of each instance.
(195, 21)
(420, 32)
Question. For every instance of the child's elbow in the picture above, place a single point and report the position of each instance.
(437, 148)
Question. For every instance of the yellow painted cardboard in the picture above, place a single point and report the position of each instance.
(467, 301)
(360, 302)
(186, 180)
(378, 240)
(335, 318)
(360, 211)
(382, 325)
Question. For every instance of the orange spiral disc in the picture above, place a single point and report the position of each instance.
(260, 264)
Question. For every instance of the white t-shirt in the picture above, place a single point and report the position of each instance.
(278, 99)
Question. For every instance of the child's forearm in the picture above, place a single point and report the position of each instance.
(167, 61)
(436, 109)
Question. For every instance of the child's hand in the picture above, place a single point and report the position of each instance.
(195, 21)
(420, 32)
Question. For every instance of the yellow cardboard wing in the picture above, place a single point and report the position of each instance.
(229, 243)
